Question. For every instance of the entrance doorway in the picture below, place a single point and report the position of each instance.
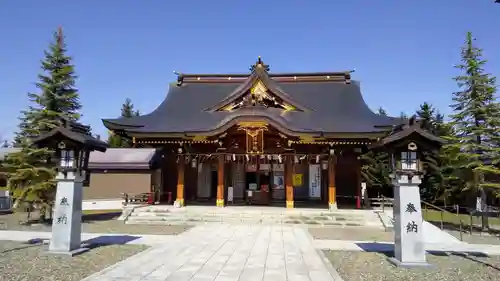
(257, 185)
(214, 181)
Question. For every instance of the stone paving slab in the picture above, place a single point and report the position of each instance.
(227, 253)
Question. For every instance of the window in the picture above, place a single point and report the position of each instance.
(67, 158)
(409, 160)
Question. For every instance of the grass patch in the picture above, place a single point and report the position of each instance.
(451, 218)
(101, 212)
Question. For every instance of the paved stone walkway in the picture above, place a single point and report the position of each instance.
(227, 253)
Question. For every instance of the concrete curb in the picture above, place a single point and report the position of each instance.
(127, 211)
(386, 221)
(333, 272)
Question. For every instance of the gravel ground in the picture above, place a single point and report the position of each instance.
(363, 266)
(352, 233)
(12, 222)
(24, 262)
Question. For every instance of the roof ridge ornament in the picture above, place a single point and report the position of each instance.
(259, 64)
(180, 78)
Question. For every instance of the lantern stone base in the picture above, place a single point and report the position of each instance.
(401, 264)
(67, 217)
(409, 245)
(72, 253)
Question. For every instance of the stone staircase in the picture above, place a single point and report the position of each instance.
(251, 215)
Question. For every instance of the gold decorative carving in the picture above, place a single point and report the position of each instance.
(258, 95)
(253, 124)
(199, 138)
(306, 138)
(254, 136)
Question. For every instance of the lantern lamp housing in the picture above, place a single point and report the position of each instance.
(405, 160)
(72, 143)
(405, 145)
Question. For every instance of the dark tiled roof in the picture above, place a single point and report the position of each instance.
(330, 107)
(406, 131)
(64, 132)
(124, 158)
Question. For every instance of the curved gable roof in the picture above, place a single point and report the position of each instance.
(327, 103)
(335, 108)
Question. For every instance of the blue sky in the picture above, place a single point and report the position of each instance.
(403, 51)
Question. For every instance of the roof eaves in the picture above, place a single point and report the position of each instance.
(120, 166)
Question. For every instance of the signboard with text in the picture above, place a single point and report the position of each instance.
(314, 181)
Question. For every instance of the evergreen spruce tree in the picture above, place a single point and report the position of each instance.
(432, 186)
(127, 111)
(375, 170)
(30, 174)
(475, 121)
(426, 115)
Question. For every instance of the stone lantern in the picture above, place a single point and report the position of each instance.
(72, 143)
(406, 145)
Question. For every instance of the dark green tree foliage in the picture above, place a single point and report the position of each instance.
(127, 111)
(432, 187)
(375, 170)
(57, 96)
(473, 147)
(30, 176)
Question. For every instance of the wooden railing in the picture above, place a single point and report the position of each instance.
(142, 198)
(453, 217)
(442, 212)
(382, 202)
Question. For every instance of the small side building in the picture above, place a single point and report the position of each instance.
(117, 171)
(4, 151)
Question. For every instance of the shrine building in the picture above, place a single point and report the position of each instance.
(286, 139)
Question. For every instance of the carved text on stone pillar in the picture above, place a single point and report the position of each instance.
(64, 202)
(62, 219)
(410, 208)
(411, 227)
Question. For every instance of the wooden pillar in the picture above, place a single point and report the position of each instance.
(289, 183)
(180, 182)
(332, 189)
(358, 181)
(220, 182)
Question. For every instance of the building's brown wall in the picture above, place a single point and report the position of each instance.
(112, 183)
